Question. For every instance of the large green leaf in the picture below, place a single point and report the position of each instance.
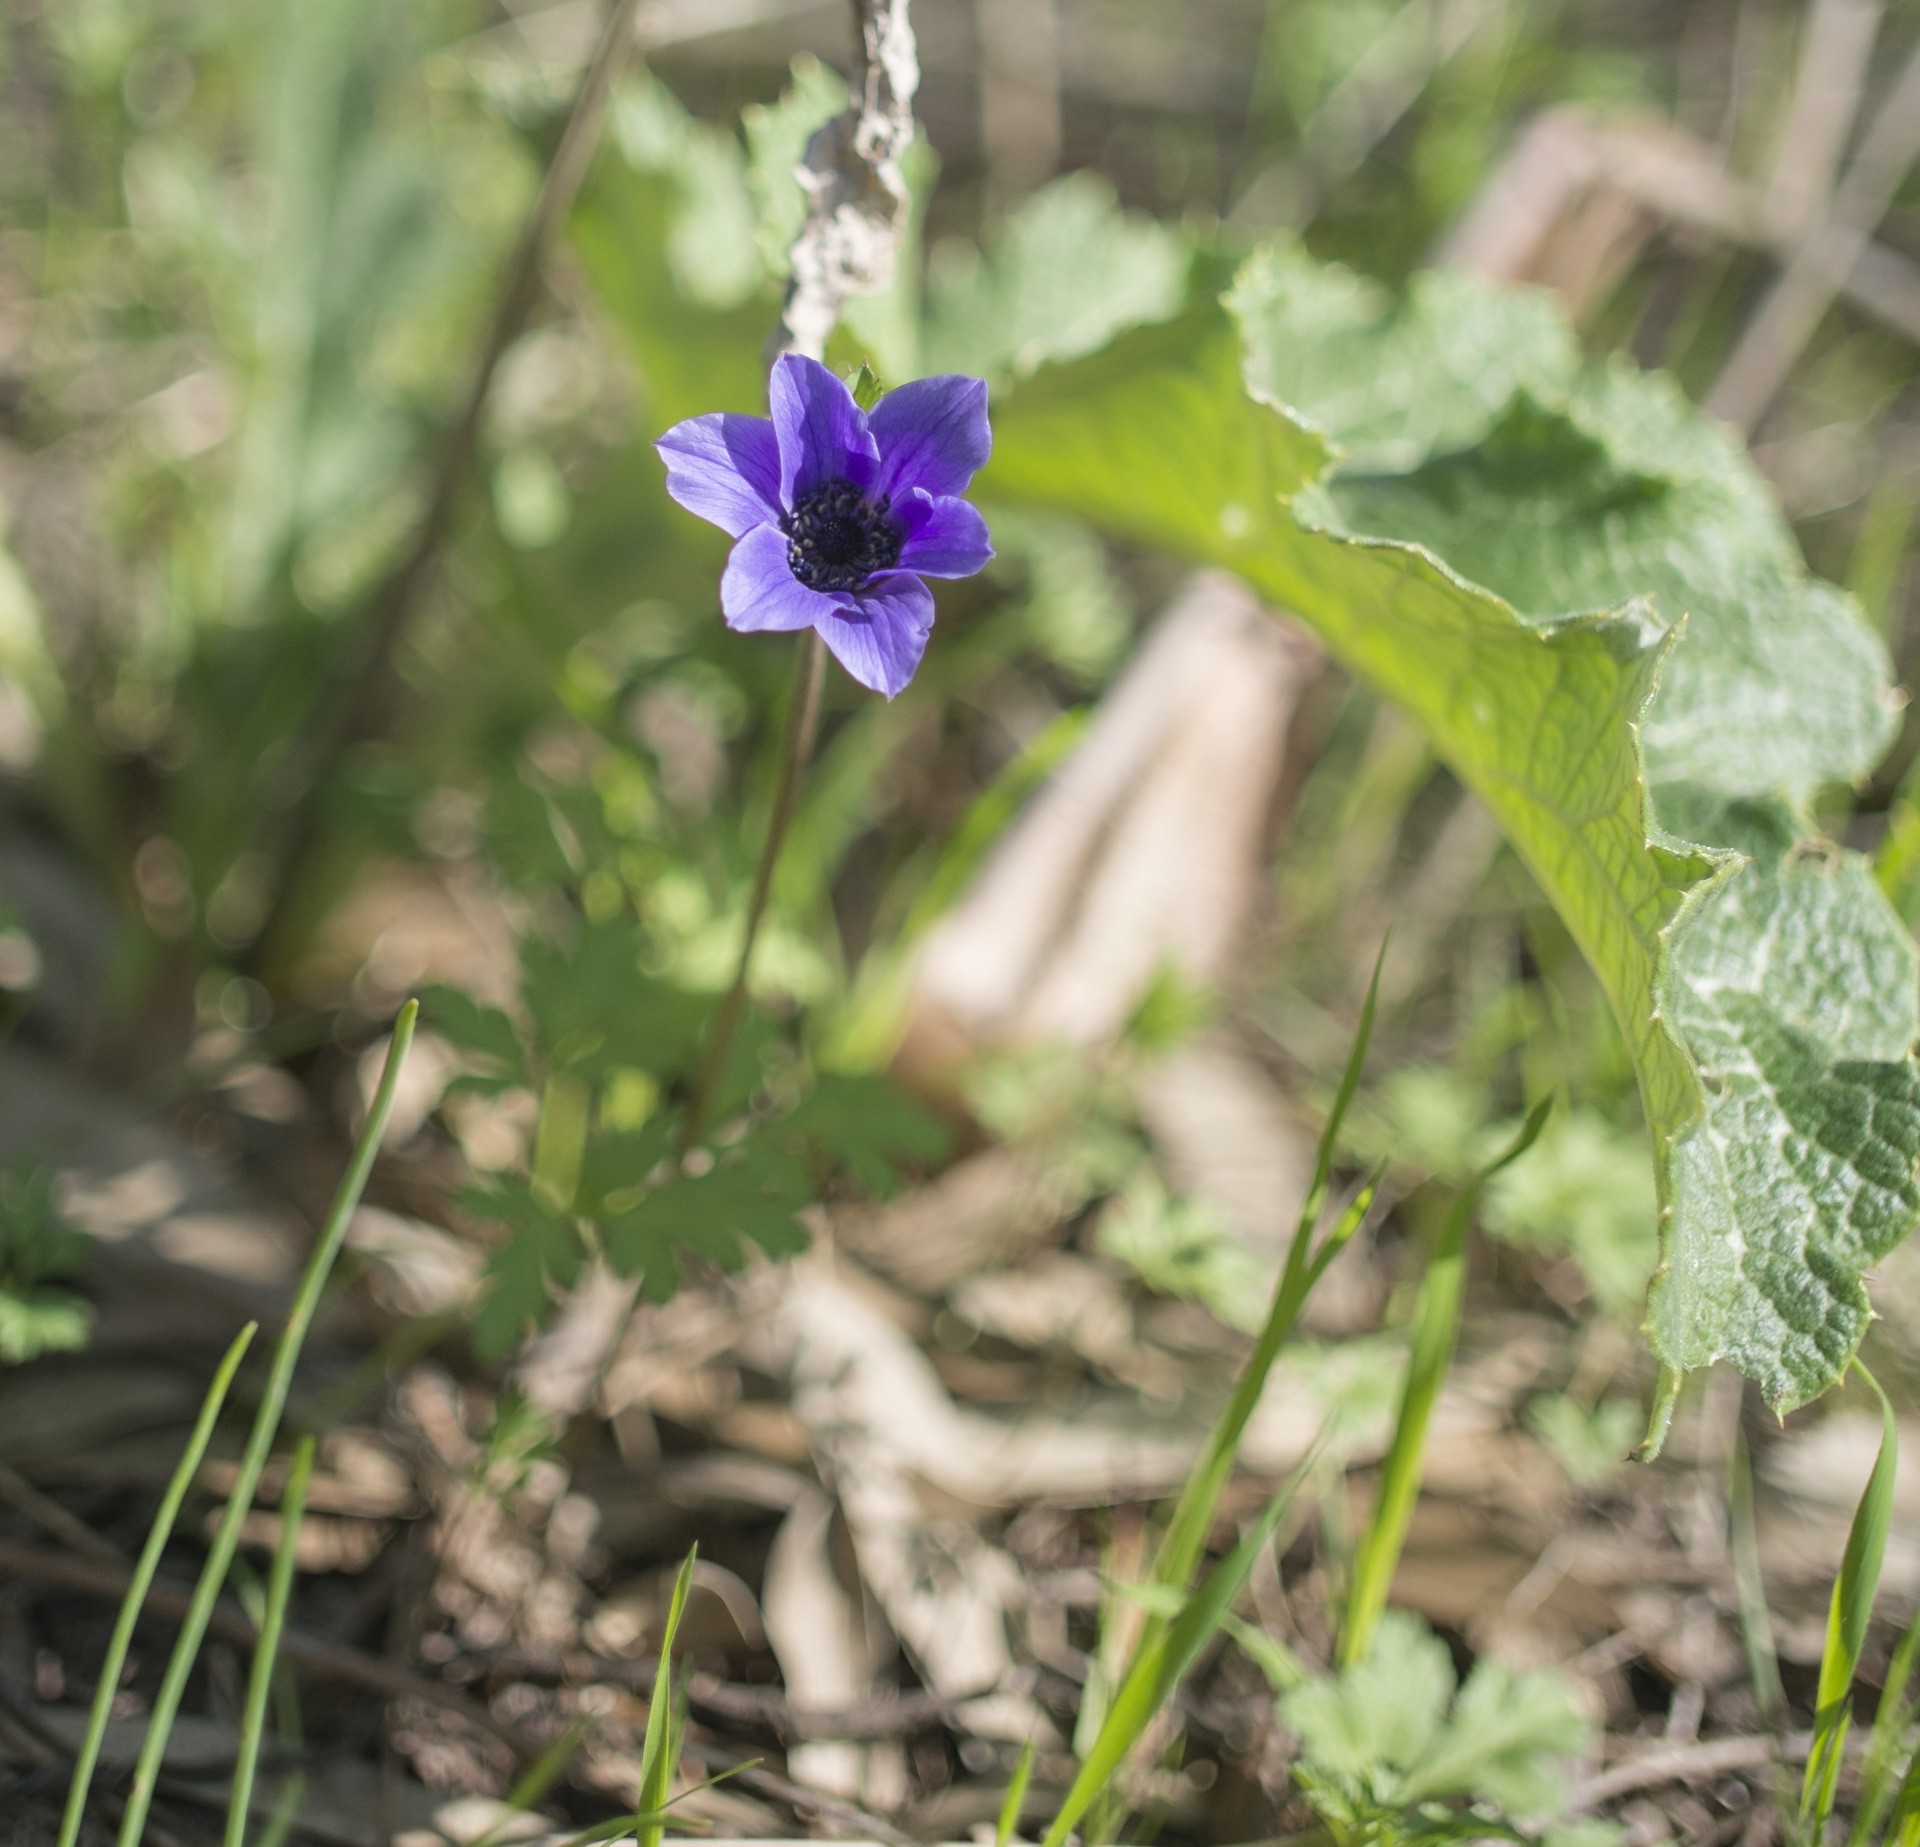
(1585, 593)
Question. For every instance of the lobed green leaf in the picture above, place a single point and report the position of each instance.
(1583, 591)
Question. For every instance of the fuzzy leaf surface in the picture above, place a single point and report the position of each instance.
(1585, 593)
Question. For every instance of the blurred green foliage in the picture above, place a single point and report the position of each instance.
(1395, 1752)
(38, 1252)
(262, 254)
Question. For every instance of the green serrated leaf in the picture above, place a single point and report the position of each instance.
(1064, 273)
(777, 136)
(1384, 1711)
(619, 1163)
(712, 244)
(41, 1321)
(1157, 438)
(1553, 567)
(1387, 1739)
(458, 1017)
(750, 1200)
(1796, 989)
(595, 1010)
(1181, 1247)
(1615, 489)
(542, 1254)
(1394, 381)
(868, 1126)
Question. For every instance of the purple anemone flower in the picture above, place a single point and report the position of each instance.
(838, 513)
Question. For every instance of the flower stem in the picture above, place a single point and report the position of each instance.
(803, 715)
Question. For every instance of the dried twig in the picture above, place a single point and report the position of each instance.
(857, 195)
(1686, 1764)
(1825, 258)
(782, 1789)
(898, 1717)
(1565, 160)
(320, 1660)
(47, 1513)
(1835, 50)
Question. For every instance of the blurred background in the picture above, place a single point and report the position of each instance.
(271, 760)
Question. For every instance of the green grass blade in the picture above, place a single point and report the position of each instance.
(266, 1650)
(1009, 1823)
(1167, 1650)
(660, 1751)
(1848, 1613)
(1185, 1541)
(1349, 1221)
(286, 1811)
(1756, 1620)
(1903, 1830)
(266, 1425)
(539, 1777)
(1890, 1721)
(1436, 1327)
(1284, 1670)
(157, 1536)
(1342, 1100)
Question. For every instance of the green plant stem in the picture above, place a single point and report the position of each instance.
(1849, 1611)
(286, 1811)
(1660, 1418)
(266, 1651)
(157, 1536)
(560, 1140)
(1008, 1826)
(660, 1749)
(1756, 1621)
(1186, 1536)
(803, 717)
(1436, 1328)
(266, 1425)
(1168, 1649)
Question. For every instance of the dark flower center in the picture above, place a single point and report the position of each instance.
(837, 538)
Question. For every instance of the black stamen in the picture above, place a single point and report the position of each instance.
(837, 538)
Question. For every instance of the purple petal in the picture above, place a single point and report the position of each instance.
(881, 631)
(944, 537)
(932, 433)
(822, 431)
(724, 467)
(758, 589)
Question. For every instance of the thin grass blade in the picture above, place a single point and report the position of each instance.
(1349, 1221)
(1436, 1327)
(1903, 1827)
(157, 1536)
(1342, 1100)
(266, 1425)
(660, 1752)
(1168, 1649)
(1891, 1720)
(1848, 1613)
(539, 1777)
(286, 1811)
(1009, 1823)
(1185, 1541)
(266, 1650)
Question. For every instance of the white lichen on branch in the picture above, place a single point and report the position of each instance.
(857, 198)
